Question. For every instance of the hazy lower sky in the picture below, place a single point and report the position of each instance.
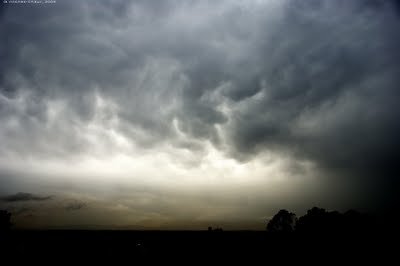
(178, 114)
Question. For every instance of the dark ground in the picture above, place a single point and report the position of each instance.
(192, 247)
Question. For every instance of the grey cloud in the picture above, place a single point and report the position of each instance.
(326, 73)
(71, 59)
(328, 90)
(74, 206)
(313, 79)
(22, 196)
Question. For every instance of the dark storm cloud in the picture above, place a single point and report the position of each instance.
(22, 196)
(330, 87)
(327, 89)
(72, 53)
(313, 80)
(328, 92)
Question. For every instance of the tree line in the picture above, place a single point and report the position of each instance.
(320, 221)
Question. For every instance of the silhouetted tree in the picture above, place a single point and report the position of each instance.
(313, 221)
(5, 218)
(318, 221)
(355, 222)
(282, 222)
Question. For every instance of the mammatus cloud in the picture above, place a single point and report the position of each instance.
(290, 76)
(21, 196)
(204, 89)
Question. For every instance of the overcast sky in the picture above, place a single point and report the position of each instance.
(181, 114)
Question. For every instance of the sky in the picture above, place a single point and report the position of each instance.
(187, 114)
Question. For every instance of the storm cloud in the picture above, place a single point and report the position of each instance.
(21, 196)
(307, 82)
(74, 206)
